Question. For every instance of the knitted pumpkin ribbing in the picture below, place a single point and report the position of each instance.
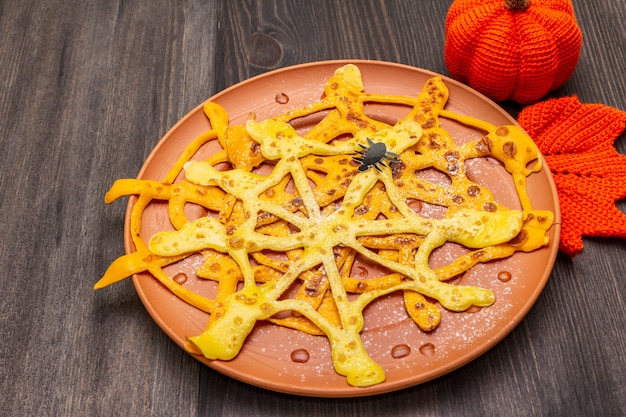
(516, 50)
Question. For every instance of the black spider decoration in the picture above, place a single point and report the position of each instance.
(374, 155)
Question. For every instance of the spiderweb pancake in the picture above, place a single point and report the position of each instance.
(283, 219)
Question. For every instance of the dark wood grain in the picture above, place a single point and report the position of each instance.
(87, 88)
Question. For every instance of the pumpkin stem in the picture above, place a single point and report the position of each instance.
(517, 5)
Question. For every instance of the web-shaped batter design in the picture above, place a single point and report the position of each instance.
(315, 208)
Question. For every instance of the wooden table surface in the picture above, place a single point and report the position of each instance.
(88, 87)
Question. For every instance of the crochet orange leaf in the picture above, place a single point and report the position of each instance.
(577, 141)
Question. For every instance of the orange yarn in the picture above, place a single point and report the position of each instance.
(512, 49)
(590, 175)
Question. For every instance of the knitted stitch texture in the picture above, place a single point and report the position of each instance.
(518, 55)
(577, 141)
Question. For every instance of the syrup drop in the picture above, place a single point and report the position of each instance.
(400, 351)
(363, 272)
(300, 356)
(180, 278)
(427, 349)
(504, 276)
(282, 98)
(415, 205)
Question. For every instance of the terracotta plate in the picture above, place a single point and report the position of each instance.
(408, 355)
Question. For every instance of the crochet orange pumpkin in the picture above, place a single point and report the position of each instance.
(512, 49)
